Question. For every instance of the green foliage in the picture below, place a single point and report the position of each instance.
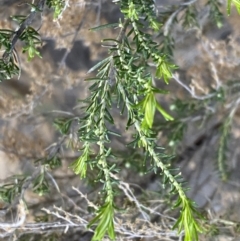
(190, 17)
(8, 65)
(215, 12)
(104, 219)
(32, 39)
(127, 78)
(5, 35)
(236, 4)
(40, 183)
(63, 125)
(53, 162)
(148, 106)
(10, 190)
(80, 165)
(225, 132)
(57, 5)
(8, 68)
(191, 227)
(126, 71)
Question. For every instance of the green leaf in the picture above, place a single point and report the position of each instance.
(150, 107)
(95, 79)
(164, 113)
(160, 91)
(164, 69)
(108, 116)
(187, 219)
(6, 31)
(105, 222)
(229, 7)
(19, 18)
(237, 5)
(155, 25)
(110, 40)
(114, 133)
(53, 162)
(63, 125)
(40, 185)
(99, 64)
(80, 165)
(101, 27)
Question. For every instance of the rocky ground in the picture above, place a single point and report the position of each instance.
(51, 86)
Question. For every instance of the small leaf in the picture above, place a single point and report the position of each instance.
(109, 25)
(237, 5)
(105, 222)
(108, 116)
(113, 133)
(164, 113)
(229, 7)
(99, 64)
(150, 107)
(110, 40)
(80, 165)
(63, 125)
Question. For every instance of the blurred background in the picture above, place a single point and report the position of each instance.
(208, 59)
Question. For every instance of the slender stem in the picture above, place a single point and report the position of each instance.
(22, 28)
(102, 139)
(150, 149)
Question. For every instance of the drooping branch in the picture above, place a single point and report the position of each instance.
(27, 22)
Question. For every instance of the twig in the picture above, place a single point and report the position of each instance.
(19, 220)
(182, 6)
(21, 29)
(191, 91)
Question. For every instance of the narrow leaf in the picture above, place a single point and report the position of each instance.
(99, 64)
(164, 113)
(109, 25)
